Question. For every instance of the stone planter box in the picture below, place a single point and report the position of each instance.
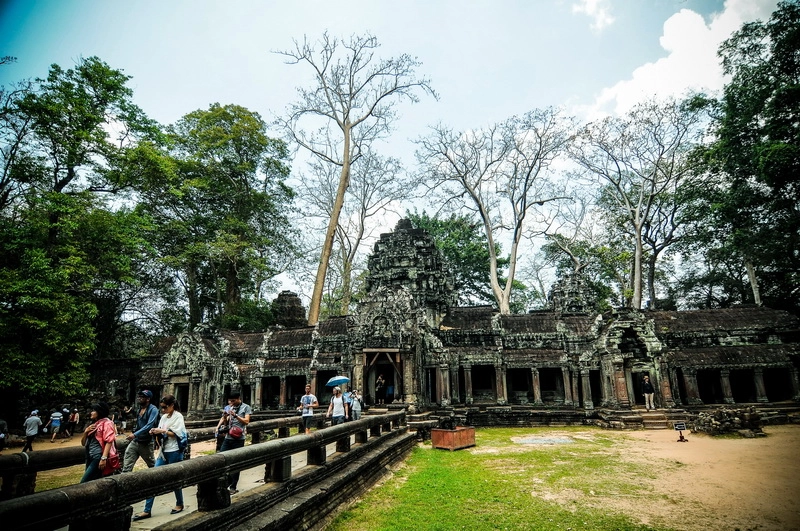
(462, 437)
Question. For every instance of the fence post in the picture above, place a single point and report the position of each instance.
(213, 494)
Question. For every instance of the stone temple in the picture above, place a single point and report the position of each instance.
(564, 364)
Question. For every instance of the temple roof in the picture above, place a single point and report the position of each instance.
(737, 318)
(469, 318)
(734, 355)
(292, 337)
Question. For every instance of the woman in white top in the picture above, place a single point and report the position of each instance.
(169, 431)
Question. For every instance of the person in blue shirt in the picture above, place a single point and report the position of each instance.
(141, 441)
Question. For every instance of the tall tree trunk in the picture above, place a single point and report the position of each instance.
(636, 303)
(327, 246)
(651, 281)
(195, 313)
(751, 274)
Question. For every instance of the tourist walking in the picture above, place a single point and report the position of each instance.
(237, 430)
(99, 439)
(54, 424)
(222, 427)
(72, 422)
(171, 428)
(355, 404)
(648, 391)
(307, 404)
(141, 442)
(337, 410)
(31, 425)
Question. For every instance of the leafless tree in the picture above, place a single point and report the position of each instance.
(500, 174)
(376, 184)
(351, 104)
(644, 157)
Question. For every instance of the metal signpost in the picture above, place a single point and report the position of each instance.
(679, 427)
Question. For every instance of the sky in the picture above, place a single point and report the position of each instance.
(487, 59)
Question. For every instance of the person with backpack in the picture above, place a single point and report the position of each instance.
(170, 431)
(141, 442)
(239, 414)
(337, 410)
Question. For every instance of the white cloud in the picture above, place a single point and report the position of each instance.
(691, 62)
(598, 10)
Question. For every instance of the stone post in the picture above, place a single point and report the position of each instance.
(468, 384)
(456, 392)
(257, 397)
(500, 378)
(662, 374)
(537, 387)
(725, 382)
(692, 391)
(621, 386)
(567, 386)
(587, 389)
(761, 390)
(282, 398)
(795, 383)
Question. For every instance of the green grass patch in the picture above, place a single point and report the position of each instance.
(502, 484)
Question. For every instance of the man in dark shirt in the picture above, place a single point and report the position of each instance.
(141, 442)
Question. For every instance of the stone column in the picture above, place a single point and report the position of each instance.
(443, 383)
(537, 387)
(257, 398)
(761, 390)
(795, 383)
(455, 391)
(567, 386)
(662, 374)
(692, 391)
(500, 379)
(468, 384)
(587, 389)
(621, 386)
(282, 393)
(725, 382)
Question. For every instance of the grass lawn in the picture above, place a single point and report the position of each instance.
(510, 480)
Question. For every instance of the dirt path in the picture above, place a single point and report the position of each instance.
(712, 483)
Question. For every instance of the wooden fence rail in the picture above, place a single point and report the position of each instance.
(107, 503)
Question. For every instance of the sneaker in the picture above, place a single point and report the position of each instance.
(232, 491)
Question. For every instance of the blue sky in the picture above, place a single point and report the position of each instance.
(487, 59)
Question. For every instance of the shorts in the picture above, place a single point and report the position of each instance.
(308, 421)
(56, 429)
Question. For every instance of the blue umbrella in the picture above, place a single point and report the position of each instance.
(337, 380)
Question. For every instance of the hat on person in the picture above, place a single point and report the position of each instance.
(146, 393)
(35, 412)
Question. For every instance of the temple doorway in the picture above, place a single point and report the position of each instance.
(386, 362)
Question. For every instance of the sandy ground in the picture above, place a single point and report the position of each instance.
(726, 483)
(707, 483)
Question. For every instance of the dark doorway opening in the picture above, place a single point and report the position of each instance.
(270, 392)
(743, 386)
(519, 385)
(709, 385)
(182, 396)
(552, 384)
(778, 383)
(595, 380)
(483, 383)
